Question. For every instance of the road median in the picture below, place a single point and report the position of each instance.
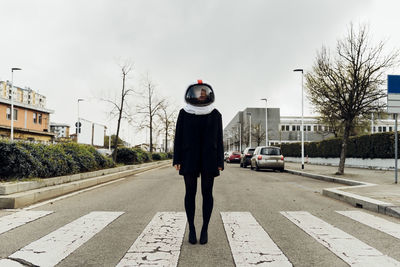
(20, 194)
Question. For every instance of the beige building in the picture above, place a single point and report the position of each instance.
(31, 117)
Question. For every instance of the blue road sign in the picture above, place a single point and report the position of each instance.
(394, 84)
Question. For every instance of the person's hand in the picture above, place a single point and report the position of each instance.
(177, 167)
(220, 168)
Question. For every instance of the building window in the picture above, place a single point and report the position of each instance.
(390, 129)
(287, 128)
(384, 129)
(8, 114)
(315, 128)
(309, 128)
(283, 128)
(293, 128)
(374, 129)
(379, 129)
(40, 118)
(34, 118)
(298, 127)
(319, 128)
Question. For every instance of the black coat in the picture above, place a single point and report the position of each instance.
(198, 145)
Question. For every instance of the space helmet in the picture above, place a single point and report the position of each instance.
(199, 94)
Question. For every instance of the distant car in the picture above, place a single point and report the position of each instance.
(267, 157)
(234, 157)
(245, 157)
(226, 155)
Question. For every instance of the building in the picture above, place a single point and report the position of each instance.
(281, 129)
(60, 129)
(31, 117)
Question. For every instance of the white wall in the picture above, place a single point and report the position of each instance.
(383, 164)
(98, 135)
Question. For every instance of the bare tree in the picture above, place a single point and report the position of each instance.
(348, 84)
(167, 119)
(119, 105)
(149, 108)
(258, 133)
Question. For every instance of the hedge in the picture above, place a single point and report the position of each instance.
(27, 160)
(379, 145)
(136, 156)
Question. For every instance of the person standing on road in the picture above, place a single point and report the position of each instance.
(198, 149)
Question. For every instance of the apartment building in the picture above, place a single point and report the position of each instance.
(31, 117)
(60, 129)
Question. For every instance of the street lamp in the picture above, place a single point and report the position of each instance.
(302, 117)
(266, 122)
(12, 103)
(240, 136)
(78, 127)
(249, 114)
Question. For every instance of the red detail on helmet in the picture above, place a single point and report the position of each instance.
(199, 81)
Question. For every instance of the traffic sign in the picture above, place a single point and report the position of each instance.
(393, 96)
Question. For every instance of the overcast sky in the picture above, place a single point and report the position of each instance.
(245, 49)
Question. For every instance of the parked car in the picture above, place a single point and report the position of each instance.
(234, 157)
(226, 155)
(267, 157)
(245, 157)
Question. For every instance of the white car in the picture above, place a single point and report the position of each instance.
(267, 157)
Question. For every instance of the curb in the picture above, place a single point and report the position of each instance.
(21, 199)
(351, 198)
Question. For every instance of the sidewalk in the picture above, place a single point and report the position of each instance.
(373, 185)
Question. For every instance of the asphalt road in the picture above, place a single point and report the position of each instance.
(263, 194)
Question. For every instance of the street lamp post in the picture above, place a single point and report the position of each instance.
(302, 117)
(78, 128)
(12, 103)
(249, 114)
(266, 122)
(240, 136)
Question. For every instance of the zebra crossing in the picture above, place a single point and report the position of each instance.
(160, 242)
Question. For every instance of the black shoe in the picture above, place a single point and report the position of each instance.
(203, 237)
(192, 236)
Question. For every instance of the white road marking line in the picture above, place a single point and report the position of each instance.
(375, 222)
(54, 247)
(250, 244)
(19, 218)
(353, 251)
(160, 242)
(70, 194)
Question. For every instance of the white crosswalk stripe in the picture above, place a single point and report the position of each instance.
(348, 248)
(54, 247)
(160, 242)
(375, 222)
(19, 218)
(249, 243)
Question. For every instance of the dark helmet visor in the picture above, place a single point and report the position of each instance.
(199, 95)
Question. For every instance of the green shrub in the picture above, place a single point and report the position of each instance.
(85, 160)
(16, 161)
(102, 161)
(126, 155)
(156, 156)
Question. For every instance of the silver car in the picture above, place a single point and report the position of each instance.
(267, 157)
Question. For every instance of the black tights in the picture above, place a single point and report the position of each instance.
(207, 183)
